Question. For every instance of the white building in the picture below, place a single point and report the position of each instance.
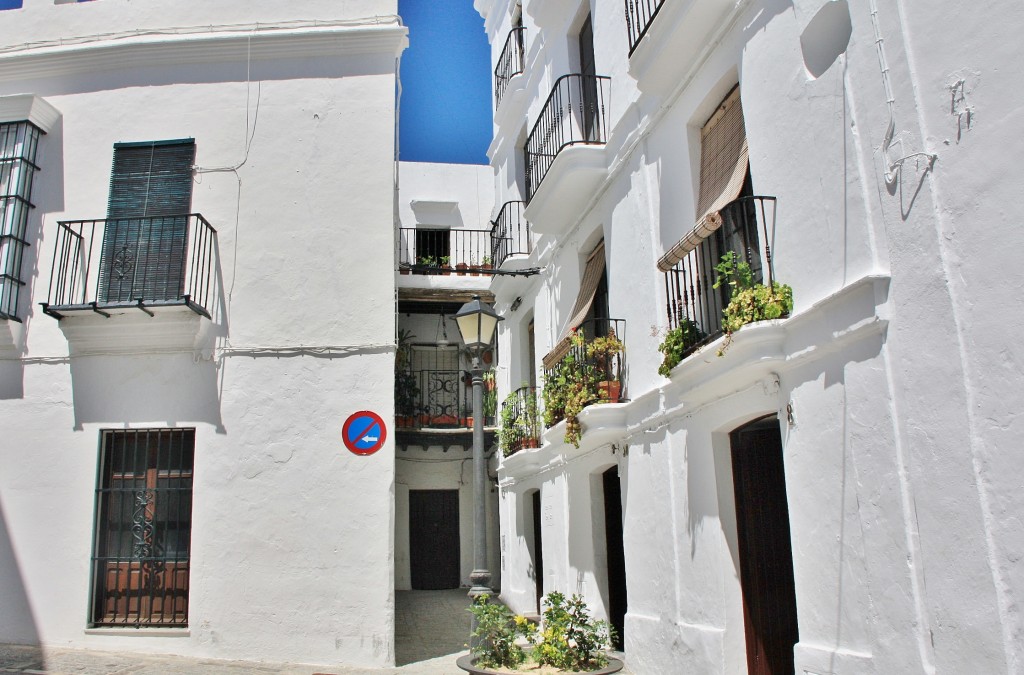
(174, 387)
(840, 491)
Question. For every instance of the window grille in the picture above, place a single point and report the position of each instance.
(18, 143)
(143, 528)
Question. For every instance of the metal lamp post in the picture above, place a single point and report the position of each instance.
(477, 322)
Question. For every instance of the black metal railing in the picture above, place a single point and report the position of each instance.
(437, 251)
(520, 421)
(138, 262)
(574, 113)
(510, 234)
(691, 298)
(442, 399)
(639, 16)
(595, 356)
(510, 63)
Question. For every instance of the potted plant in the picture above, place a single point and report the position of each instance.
(569, 641)
(486, 264)
(443, 265)
(749, 301)
(461, 269)
(407, 389)
(604, 352)
(678, 342)
(519, 423)
(569, 387)
(490, 398)
(428, 261)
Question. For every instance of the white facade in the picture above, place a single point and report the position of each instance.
(292, 112)
(435, 454)
(895, 386)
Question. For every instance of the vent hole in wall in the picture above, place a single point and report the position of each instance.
(826, 37)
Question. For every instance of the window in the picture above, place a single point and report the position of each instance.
(143, 255)
(433, 247)
(18, 142)
(143, 528)
(588, 80)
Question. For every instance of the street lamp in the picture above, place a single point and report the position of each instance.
(477, 321)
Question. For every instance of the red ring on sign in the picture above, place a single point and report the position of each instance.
(362, 424)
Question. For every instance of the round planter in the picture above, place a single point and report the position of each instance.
(465, 662)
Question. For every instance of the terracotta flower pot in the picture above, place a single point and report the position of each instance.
(461, 269)
(609, 390)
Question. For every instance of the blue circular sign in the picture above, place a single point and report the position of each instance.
(364, 432)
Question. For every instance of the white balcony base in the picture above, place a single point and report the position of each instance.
(567, 187)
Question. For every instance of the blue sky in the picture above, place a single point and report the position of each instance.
(446, 80)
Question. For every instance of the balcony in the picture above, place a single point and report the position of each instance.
(114, 266)
(575, 113)
(510, 233)
(510, 63)
(639, 15)
(585, 368)
(444, 251)
(692, 301)
(520, 421)
(565, 153)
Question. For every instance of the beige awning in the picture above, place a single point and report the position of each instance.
(724, 159)
(588, 289)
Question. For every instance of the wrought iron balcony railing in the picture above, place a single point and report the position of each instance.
(510, 63)
(692, 299)
(510, 234)
(520, 421)
(147, 262)
(639, 16)
(441, 399)
(593, 357)
(444, 251)
(574, 113)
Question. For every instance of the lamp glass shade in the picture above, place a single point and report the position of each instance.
(477, 322)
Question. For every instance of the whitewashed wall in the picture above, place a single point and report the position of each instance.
(292, 555)
(902, 480)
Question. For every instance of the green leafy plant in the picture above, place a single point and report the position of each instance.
(569, 387)
(407, 390)
(497, 631)
(677, 343)
(602, 350)
(749, 301)
(443, 261)
(570, 639)
(519, 423)
(490, 395)
(427, 260)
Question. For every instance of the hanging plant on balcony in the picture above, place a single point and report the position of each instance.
(569, 388)
(603, 353)
(519, 422)
(750, 301)
(677, 344)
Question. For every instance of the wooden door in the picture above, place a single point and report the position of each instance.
(765, 551)
(538, 552)
(616, 553)
(434, 539)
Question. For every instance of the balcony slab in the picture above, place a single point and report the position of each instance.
(567, 187)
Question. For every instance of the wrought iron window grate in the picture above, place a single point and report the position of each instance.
(143, 528)
(18, 144)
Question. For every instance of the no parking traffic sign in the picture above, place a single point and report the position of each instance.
(364, 432)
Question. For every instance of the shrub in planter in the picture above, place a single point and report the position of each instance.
(603, 352)
(498, 630)
(750, 301)
(570, 638)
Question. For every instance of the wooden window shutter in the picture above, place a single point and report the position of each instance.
(724, 160)
(145, 236)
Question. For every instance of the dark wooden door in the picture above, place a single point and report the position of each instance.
(538, 552)
(765, 551)
(434, 539)
(588, 81)
(616, 553)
